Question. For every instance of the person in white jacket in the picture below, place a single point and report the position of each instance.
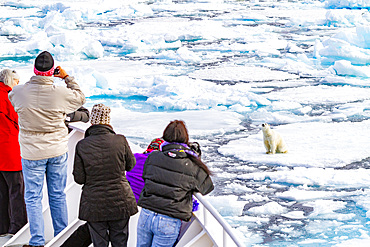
(42, 108)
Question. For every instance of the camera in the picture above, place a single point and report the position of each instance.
(195, 147)
(56, 71)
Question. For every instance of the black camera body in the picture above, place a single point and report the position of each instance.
(56, 71)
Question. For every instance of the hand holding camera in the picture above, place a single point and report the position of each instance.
(195, 147)
(59, 72)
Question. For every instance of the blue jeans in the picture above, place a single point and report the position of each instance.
(56, 179)
(156, 230)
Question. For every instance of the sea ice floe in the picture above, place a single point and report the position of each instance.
(270, 208)
(301, 194)
(244, 74)
(227, 205)
(322, 94)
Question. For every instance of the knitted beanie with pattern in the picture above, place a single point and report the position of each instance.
(100, 114)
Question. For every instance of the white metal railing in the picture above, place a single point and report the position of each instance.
(228, 236)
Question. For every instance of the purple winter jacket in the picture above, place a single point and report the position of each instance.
(135, 176)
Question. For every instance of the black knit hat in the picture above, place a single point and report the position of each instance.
(44, 61)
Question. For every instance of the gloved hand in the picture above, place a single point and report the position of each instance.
(61, 74)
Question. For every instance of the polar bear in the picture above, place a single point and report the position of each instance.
(273, 141)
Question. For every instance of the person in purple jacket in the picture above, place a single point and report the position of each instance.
(135, 176)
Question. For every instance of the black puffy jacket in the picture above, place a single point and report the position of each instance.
(101, 160)
(171, 178)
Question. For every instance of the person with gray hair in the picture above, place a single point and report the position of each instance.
(12, 206)
(9, 77)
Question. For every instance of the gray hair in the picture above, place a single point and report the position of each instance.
(7, 76)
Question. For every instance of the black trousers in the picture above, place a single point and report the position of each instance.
(115, 232)
(13, 214)
(79, 238)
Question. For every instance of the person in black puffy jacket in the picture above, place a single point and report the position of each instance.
(171, 177)
(107, 200)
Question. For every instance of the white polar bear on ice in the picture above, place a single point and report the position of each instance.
(273, 141)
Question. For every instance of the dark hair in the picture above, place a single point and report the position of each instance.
(176, 131)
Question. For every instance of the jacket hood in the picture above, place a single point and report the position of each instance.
(99, 129)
